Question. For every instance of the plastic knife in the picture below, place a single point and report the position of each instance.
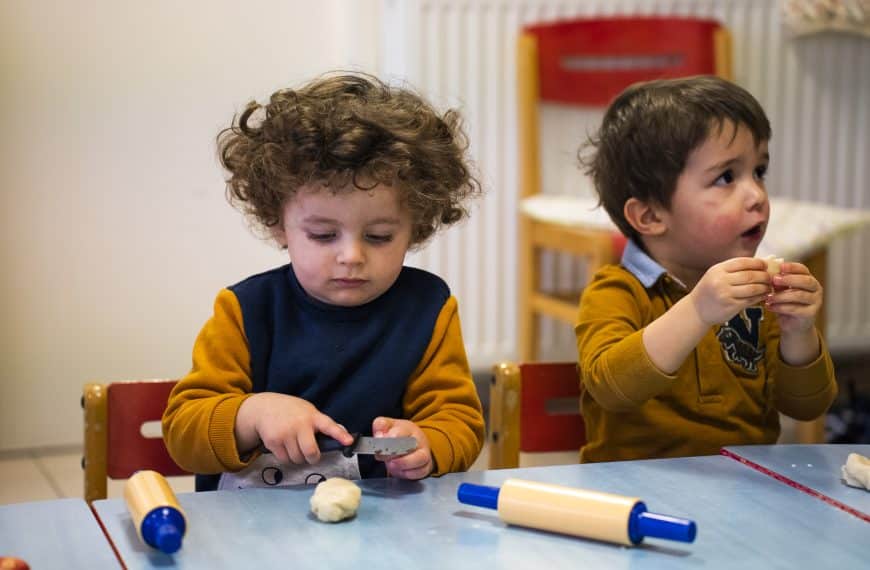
(364, 444)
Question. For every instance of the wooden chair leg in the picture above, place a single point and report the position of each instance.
(504, 417)
(94, 461)
(528, 281)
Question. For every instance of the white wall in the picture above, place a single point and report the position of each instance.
(115, 232)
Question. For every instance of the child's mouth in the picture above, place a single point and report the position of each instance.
(755, 232)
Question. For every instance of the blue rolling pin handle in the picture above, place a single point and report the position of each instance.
(642, 524)
(163, 529)
(478, 495)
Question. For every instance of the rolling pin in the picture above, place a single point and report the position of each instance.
(578, 512)
(155, 511)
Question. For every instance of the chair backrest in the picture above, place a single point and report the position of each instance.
(534, 407)
(115, 445)
(588, 61)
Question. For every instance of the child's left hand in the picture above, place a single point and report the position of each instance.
(414, 465)
(796, 298)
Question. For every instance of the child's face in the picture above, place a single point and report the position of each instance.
(720, 207)
(346, 248)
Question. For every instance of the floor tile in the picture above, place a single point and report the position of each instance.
(21, 481)
(66, 472)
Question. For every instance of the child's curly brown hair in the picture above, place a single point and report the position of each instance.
(345, 131)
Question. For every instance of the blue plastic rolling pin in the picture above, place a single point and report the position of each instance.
(578, 512)
(155, 511)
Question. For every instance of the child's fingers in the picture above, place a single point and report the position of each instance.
(791, 297)
(326, 425)
(279, 452)
(414, 465)
(412, 474)
(381, 426)
(744, 264)
(750, 292)
(796, 281)
(793, 267)
(308, 447)
(293, 453)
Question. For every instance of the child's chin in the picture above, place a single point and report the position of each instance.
(351, 299)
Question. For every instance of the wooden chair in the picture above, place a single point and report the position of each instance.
(572, 63)
(534, 407)
(115, 446)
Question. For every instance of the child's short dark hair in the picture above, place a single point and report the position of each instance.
(650, 129)
(343, 131)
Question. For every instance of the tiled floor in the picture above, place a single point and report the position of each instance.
(54, 474)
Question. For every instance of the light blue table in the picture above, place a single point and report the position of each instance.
(814, 469)
(54, 534)
(745, 520)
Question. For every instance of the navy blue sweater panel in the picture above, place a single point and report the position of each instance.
(351, 363)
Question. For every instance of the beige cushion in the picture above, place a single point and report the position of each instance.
(796, 228)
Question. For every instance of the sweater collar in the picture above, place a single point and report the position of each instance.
(646, 269)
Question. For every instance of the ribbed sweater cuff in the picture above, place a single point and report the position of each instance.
(221, 432)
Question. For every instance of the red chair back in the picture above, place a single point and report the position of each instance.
(129, 406)
(589, 61)
(550, 417)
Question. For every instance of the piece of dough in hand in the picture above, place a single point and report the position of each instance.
(335, 499)
(773, 263)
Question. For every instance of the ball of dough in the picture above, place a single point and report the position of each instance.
(335, 499)
(12, 563)
(773, 263)
(856, 471)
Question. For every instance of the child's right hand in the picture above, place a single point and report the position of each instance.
(286, 426)
(729, 287)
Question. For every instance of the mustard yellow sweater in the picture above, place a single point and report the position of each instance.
(400, 355)
(729, 391)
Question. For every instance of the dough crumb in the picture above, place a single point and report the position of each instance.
(773, 263)
(335, 499)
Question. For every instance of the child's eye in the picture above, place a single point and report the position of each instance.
(325, 237)
(761, 172)
(378, 238)
(725, 178)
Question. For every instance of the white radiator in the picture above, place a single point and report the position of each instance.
(816, 90)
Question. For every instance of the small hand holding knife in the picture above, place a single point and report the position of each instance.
(364, 444)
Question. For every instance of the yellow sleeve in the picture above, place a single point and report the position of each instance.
(200, 416)
(441, 397)
(802, 392)
(614, 366)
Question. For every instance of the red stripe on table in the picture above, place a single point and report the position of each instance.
(792, 483)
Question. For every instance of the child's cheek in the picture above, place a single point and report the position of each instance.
(712, 231)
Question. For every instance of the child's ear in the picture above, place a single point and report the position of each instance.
(643, 217)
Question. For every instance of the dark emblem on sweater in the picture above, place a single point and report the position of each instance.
(739, 339)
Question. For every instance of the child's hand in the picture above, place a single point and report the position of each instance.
(286, 425)
(414, 465)
(729, 287)
(796, 298)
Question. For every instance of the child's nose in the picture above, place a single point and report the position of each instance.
(756, 194)
(351, 252)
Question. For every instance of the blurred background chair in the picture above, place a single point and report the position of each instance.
(585, 63)
(534, 408)
(115, 445)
